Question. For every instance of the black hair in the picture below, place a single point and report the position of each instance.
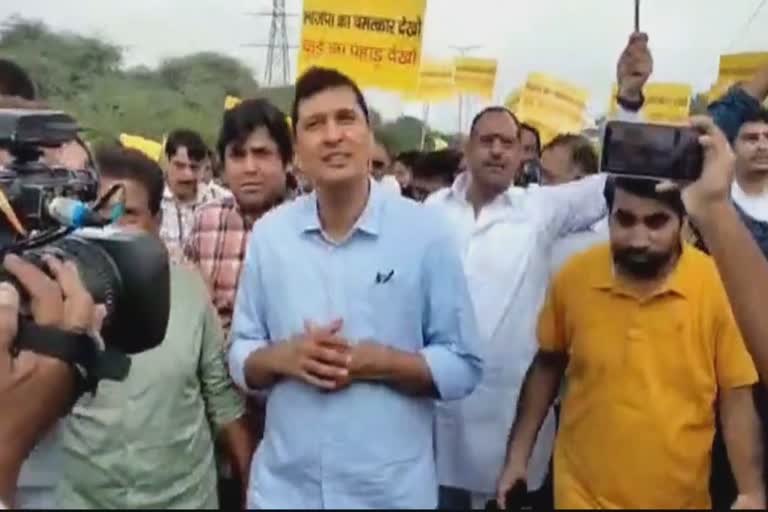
(408, 158)
(196, 148)
(646, 189)
(493, 110)
(532, 129)
(249, 115)
(443, 164)
(14, 81)
(131, 164)
(583, 153)
(316, 80)
(756, 116)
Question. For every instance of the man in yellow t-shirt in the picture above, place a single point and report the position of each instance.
(643, 331)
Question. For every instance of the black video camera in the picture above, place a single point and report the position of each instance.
(127, 272)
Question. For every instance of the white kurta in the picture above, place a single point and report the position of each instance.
(506, 256)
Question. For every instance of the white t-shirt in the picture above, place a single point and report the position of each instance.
(754, 206)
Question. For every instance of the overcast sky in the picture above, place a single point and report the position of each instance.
(578, 40)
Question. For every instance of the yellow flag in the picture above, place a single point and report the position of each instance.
(436, 82)
(231, 102)
(439, 143)
(149, 147)
(376, 42)
(513, 100)
(552, 105)
(476, 76)
(736, 67)
(665, 103)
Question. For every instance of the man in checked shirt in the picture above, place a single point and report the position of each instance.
(255, 147)
(185, 191)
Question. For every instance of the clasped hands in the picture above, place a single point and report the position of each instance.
(322, 357)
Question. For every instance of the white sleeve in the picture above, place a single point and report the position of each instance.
(573, 206)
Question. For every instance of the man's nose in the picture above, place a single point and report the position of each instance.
(187, 173)
(332, 132)
(640, 238)
(496, 148)
(251, 164)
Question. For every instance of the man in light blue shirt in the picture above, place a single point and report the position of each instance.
(353, 315)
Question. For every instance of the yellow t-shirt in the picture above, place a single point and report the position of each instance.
(638, 416)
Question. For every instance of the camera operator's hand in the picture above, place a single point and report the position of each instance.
(634, 67)
(63, 303)
(36, 390)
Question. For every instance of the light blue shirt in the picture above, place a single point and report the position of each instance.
(396, 279)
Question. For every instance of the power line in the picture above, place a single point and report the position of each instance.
(278, 60)
(748, 23)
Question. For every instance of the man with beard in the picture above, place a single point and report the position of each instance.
(643, 330)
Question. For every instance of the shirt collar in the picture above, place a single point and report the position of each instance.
(677, 281)
(202, 192)
(369, 222)
(460, 187)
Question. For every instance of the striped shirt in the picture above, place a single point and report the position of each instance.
(216, 244)
(178, 217)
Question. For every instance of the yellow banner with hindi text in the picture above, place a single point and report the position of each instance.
(734, 68)
(476, 76)
(436, 82)
(552, 105)
(377, 43)
(665, 103)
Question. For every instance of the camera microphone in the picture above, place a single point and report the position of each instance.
(74, 213)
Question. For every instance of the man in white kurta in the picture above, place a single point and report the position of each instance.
(506, 235)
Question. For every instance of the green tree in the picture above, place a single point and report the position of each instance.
(85, 76)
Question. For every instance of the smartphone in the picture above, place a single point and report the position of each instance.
(652, 151)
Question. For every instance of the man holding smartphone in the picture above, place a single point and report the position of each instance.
(674, 351)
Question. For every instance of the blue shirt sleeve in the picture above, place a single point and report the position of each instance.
(730, 111)
(450, 329)
(249, 326)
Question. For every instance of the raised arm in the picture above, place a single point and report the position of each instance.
(635, 67)
(742, 266)
(574, 206)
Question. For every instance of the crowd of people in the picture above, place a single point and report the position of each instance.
(487, 324)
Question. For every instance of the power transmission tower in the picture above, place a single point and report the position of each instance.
(277, 70)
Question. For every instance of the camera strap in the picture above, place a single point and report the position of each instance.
(79, 350)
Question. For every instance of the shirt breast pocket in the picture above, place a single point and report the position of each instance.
(393, 310)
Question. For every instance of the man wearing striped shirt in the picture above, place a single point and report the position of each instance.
(255, 147)
(185, 192)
